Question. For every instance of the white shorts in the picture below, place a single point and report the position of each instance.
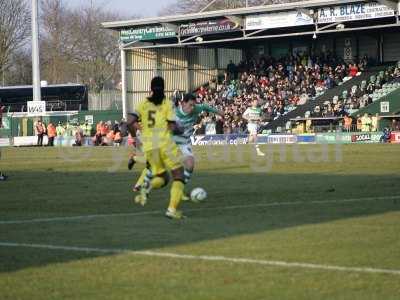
(252, 128)
(186, 150)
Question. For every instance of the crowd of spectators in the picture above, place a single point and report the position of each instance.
(279, 86)
(358, 97)
(103, 134)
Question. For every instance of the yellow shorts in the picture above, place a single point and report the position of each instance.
(163, 159)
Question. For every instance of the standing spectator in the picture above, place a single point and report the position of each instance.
(219, 125)
(39, 132)
(375, 122)
(359, 123)
(60, 130)
(69, 129)
(103, 129)
(51, 134)
(87, 129)
(366, 123)
(231, 71)
(347, 122)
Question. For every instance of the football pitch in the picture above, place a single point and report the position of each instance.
(304, 222)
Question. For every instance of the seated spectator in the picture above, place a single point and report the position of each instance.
(108, 140)
(78, 137)
(353, 70)
(117, 138)
(385, 138)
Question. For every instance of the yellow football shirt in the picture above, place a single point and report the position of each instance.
(155, 132)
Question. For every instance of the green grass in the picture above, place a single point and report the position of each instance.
(50, 183)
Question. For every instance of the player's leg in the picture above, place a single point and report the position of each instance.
(159, 179)
(188, 161)
(131, 161)
(253, 131)
(3, 177)
(172, 158)
(188, 164)
(145, 176)
(176, 194)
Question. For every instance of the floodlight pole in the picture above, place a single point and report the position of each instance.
(35, 52)
(123, 83)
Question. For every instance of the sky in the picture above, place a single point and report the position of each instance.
(144, 8)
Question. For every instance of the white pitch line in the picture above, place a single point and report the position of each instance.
(274, 263)
(154, 212)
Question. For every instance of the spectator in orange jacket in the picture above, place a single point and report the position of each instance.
(51, 134)
(347, 123)
(118, 138)
(104, 129)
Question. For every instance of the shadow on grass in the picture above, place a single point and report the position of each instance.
(51, 194)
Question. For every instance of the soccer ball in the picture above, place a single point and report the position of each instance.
(198, 194)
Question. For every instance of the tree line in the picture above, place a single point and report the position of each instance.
(73, 46)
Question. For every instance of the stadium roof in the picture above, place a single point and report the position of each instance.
(173, 33)
(227, 12)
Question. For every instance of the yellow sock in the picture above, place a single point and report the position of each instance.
(157, 182)
(176, 194)
(141, 178)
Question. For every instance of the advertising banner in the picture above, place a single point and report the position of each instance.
(277, 20)
(89, 119)
(4, 142)
(348, 138)
(209, 27)
(36, 108)
(306, 138)
(353, 12)
(282, 139)
(395, 137)
(145, 34)
(220, 139)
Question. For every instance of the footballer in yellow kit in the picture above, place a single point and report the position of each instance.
(157, 121)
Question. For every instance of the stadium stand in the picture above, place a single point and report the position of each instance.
(281, 86)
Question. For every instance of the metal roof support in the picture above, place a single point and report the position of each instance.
(123, 84)
(328, 26)
(121, 46)
(307, 12)
(255, 32)
(235, 19)
(189, 39)
(171, 26)
(208, 5)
